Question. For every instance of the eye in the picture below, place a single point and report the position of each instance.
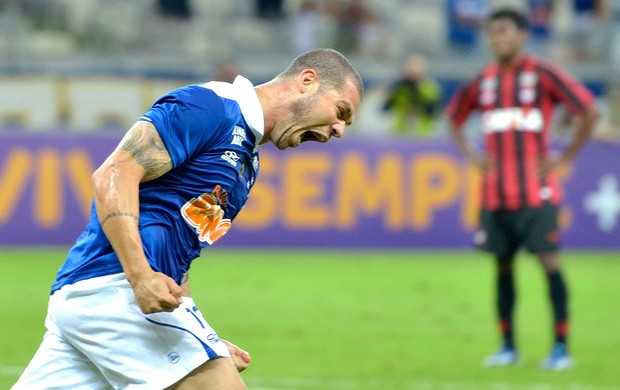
(341, 113)
(344, 114)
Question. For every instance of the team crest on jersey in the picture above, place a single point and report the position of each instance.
(488, 83)
(528, 79)
(527, 87)
(488, 93)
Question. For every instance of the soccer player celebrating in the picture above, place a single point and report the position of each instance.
(516, 96)
(120, 314)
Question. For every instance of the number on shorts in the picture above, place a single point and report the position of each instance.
(193, 313)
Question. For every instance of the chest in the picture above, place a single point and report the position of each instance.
(227, 173)
(510, 89)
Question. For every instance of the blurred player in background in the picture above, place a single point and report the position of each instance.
(121, 313)
(414, 100)
(521, 195)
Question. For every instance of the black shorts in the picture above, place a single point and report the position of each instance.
(503, 232)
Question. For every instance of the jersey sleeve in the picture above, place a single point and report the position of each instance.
(188, 119)
(567, 90)
(463, 102)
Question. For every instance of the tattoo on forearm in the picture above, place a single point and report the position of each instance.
(119, 214)
(144, 144)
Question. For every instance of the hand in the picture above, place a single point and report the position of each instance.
(484, 163)
(240, 357)
(156, 292)
(550, 164)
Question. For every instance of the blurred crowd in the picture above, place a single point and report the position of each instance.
(408, 50)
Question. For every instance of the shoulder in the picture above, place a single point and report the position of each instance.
(545, 65)
(242, 92)
(191, 91)
(190, 98)
(475, 81)
(489, 70)
(239, 91)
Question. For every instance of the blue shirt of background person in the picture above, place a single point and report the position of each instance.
(465, 19)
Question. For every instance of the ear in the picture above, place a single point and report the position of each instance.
(306, 80)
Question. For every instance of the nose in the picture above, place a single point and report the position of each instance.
(338, 129)
(496, 38)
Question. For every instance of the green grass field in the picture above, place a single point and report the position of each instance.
(363, 320)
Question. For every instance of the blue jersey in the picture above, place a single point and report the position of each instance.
(211, 132)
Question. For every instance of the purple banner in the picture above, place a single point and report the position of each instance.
(358, 192)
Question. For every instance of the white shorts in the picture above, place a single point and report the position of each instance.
(97, 338)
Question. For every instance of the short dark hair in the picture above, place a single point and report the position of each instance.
(333, 68)
(518, 18)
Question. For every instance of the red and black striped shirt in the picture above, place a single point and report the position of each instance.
(516, 106)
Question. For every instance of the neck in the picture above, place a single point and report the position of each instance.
(271, 95)
(510, 61)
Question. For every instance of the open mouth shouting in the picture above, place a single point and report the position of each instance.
(313, 136)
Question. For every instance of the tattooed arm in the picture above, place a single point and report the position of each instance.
(140, 156)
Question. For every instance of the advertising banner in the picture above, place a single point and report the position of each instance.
(352, 193)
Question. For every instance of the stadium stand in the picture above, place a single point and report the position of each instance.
(64, 48)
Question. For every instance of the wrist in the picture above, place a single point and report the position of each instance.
(135, 273)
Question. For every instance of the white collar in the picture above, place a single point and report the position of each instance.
(242, 91)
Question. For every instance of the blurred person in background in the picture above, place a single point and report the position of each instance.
(588, 27)
(360, 29)
(611, 133)
(175, 9)
(464, 21)
(614, 33)
(414, 100)
(372, 35)
(350, 16)
(226, 70)
(540, 14)
(172, 26)
(521, 194)
(120, 313)
(269, 9)
(613, 59)
(307, 24)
